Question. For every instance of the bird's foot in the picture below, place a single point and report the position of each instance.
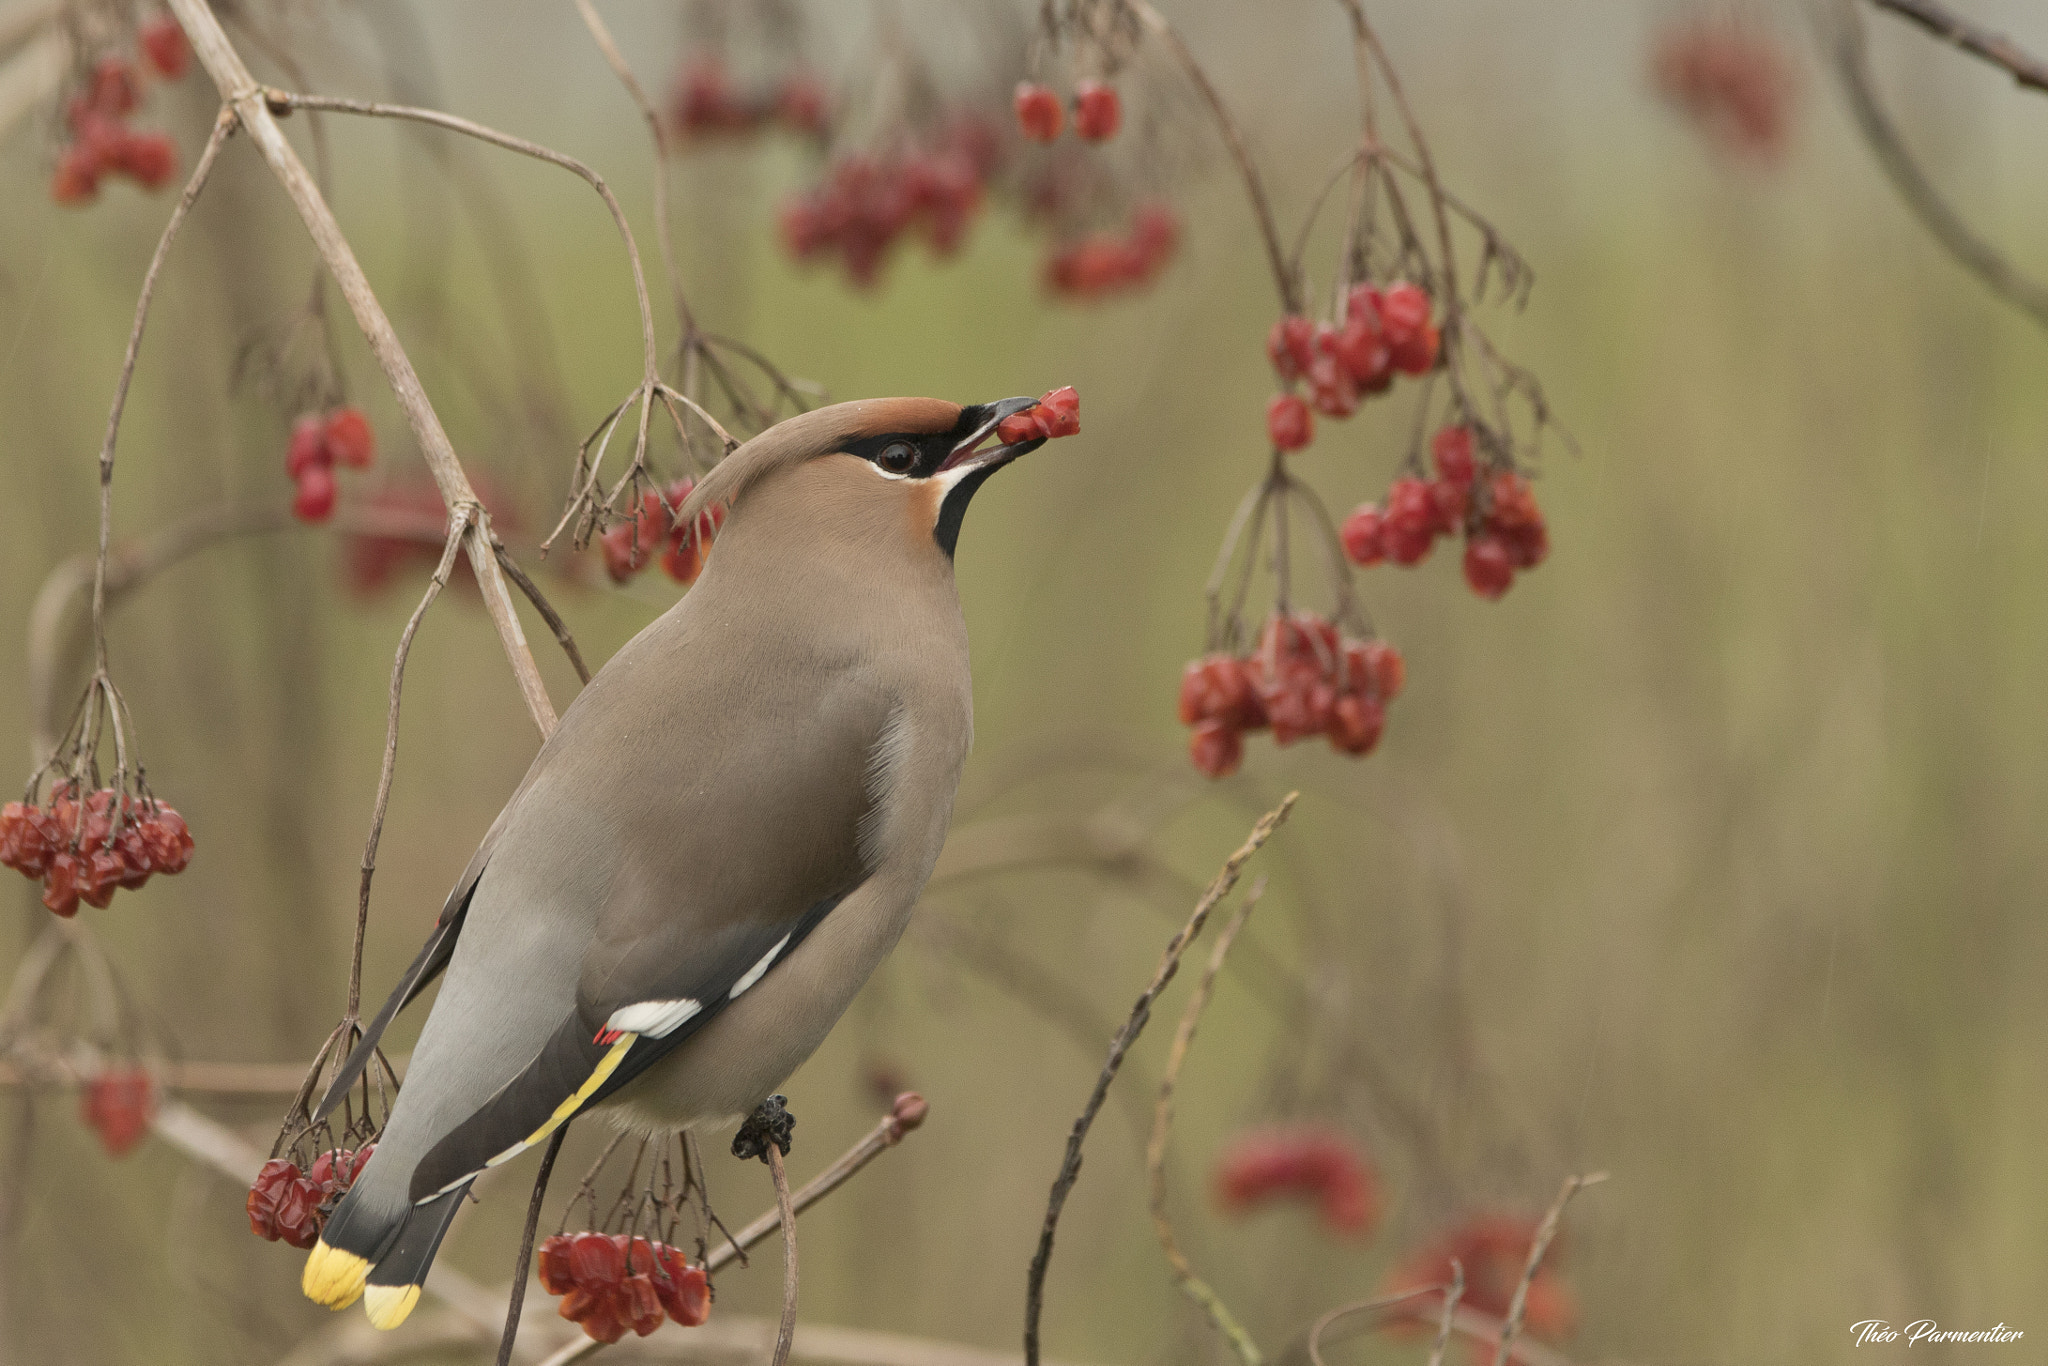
(771, 1122)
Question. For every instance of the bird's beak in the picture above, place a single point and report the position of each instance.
(981, 421)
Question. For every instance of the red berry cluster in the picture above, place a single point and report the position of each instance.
(118, 1104)
(867, 203)
(320, 441)
(1306, 1161)
(1384, 331)
(631, 545)
(1098, 111)
(1304, 679)
(86, 854)
(102, 143)
(704, 102)
(290, 1206)
(1733, 78)
(1494, 1251)
(1058, 414)
(610, 1283)
(1110, 262)
(1503, 527)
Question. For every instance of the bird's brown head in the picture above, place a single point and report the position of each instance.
(906, 466)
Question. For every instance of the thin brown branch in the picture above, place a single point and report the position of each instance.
(456, 530)
(526, 585)
(1184, 1275)
(785, 1331)
(1169, 964)
(1233, 139)
(1450, 1314)
(1545, 1233)
(239, 89)
(2027, 70)
(223, 125)
(1313, 1343)
(516, 1301)
(1979, 257)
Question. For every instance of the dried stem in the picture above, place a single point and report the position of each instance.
(517, 1300)
(239, 89)
(547, 611)
(1169, 964)
(222, 126)
(785, 1332)
(1192, 1285)
(1852, 65)
(1233, 139)
(1378, 1305)
(1544, 1234)
(456, 530)
(2027, 70)
(1449, 1315)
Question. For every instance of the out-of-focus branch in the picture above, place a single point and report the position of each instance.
(1169, 964)
(202, 1078)
(2026, 69)
(1191, 1284)
(239, 89)
(785, 1328)
(1545, 1233)
(1987, 263)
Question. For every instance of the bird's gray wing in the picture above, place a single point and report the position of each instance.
(699, 818)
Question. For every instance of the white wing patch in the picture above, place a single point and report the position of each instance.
(755, 972)
(654, 1019)
(885, 766)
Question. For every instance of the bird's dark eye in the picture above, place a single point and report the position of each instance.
(897, 457)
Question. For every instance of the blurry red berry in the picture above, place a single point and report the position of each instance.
(1288, 422)
(1155, 229)
(1038, 112)
(1291, 346)
(1363, 535)
(1332, 391)
(114, 90)
(1416, 355)
(1360, 350)
(1307, 1161)
(308, 448)
(118, 1104)
(1452, 449)
(1355, 723)
(163, 44)
(1098, 111)
(1487, 566)
(1216, 749)
(1493, 1251)
(77, 178)
(1404, 312)
(150, 159)
(1449, 500)
(349, 438)
(801, 103)
(315, 499)
(1389, 671)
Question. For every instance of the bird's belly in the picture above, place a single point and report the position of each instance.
(719, 1074)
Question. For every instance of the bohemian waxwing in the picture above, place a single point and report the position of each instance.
(720, 842)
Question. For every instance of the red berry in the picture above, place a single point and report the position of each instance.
(163, 43)
(1038, 112)
(60, 884)
(1360, 350)
(315, 499)
(114, 90)
(552, 1265)
(1388, 670)
(1098, 112)
(99, 877)
(1017, 427)
(1331, 388)
(1417, 354)
(349, 438)
(801, 103)
(1289, 423)
(1355, 724)
(1155, 229)
(1363, 534)
(1452, 448)
(151, 159)
(1216, 749)
(1060, 412)
(308, 448)
(77, 179)
(1488, 567)
(688, 1295)
(1449, 501)
(1404, 312)
(118, 1105)
(168, 841)
(1291, 346)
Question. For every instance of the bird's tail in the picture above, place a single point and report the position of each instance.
(377, 1248)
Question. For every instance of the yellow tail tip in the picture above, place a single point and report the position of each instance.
(387, 1305)
(333, 1277)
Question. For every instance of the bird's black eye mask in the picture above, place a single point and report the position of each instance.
(905, 455)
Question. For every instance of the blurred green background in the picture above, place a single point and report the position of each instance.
(1710, 857)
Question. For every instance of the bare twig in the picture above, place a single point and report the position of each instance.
(785, 1332)
(1313, 1342)
(1852, 65)
(515, 1302)
(2026, 69)
(1544, 1234)
(526, 585)
(1449, 1315)
(1169, 964)
(1191, 1284)
(239, 89)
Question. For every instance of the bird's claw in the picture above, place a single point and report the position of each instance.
(771, 1122)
